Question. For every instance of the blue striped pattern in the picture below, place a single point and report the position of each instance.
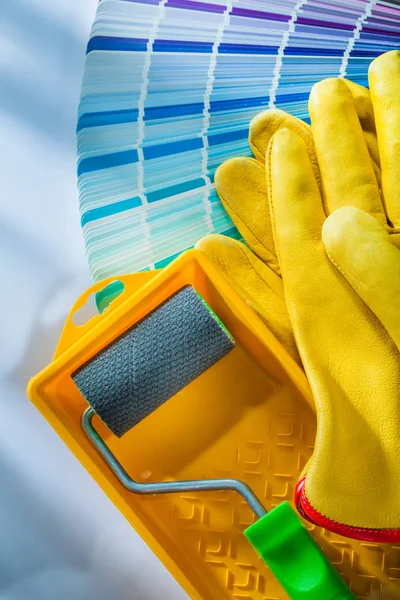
(168, 92)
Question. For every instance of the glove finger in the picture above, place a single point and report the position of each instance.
(365, 111)
(242, 187)
(362, 250)
(295, 201)
(267, 123)
(346, 168)
(260, 287)
(363, 104)
(241, 183)
(297, 218)
(384, 81)
(371, 140)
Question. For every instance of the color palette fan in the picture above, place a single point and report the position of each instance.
(169, 89)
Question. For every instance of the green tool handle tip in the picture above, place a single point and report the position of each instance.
(295, 559)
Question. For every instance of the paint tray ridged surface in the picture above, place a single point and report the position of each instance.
(168, 92)
(247, 417)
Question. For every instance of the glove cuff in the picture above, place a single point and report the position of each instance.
(308, 512)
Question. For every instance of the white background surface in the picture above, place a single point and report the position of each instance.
(60, 537)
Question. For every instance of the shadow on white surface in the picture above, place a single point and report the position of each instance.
(41, 66)
(60, 537)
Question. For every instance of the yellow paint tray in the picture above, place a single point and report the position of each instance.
(249, 417)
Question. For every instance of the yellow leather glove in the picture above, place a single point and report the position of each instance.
(351, 485)
(242, 187)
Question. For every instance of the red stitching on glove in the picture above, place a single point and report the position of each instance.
(358, 533)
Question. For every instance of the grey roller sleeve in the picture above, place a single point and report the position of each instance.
(153, 360)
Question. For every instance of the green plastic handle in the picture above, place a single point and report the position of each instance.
(294, 558)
